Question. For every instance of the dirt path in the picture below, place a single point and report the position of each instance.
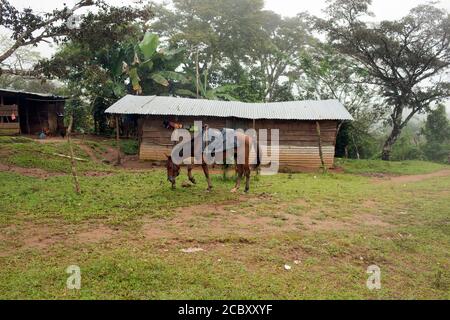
(30, 172)
(413, 178)
(88, 151)
(206, 225)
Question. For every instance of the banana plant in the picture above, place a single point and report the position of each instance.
(151, 66)
(224, 92)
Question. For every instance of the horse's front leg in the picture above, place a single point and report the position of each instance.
(240, 173)
(190, 176)
(208, 178)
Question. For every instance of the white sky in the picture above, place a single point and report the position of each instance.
(383, 9)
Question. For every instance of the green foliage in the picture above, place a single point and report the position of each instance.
(237, 43)
(401, 56)
(437, 134)
(353, 141)
(148, 45)
(128, 146)
(10, 140)
(27, 153)
(408, 146)
(151, 72)
(437, 126)
(90, 61)
(81, 113)
(393, 167)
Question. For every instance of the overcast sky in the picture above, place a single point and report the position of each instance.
(383, 9)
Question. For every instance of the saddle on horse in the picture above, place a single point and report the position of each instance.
(228, 137)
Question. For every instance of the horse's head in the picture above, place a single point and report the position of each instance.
(173, 171)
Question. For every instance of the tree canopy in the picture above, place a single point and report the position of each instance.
(404, 57)
(384, 72)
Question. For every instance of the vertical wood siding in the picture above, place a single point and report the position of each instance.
(298, 139)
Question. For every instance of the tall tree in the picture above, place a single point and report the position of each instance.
(151, 71)
(29, 28)
(437, 133)
(19, 64)
(277, 50)
(237, 35)
(437, 126)
(405, 58)
(101, 72)
(327, 74)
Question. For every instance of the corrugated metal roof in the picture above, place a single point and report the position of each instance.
(42, 95)
(293, 110)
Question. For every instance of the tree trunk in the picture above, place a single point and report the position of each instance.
(319, 138)
(397, 117)
(387, 147)
(356, 147)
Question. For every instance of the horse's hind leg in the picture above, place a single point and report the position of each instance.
(206, 172)
(240, 173)
(247, 178)
(190, 176)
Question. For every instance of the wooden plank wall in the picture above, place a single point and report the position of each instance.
(299, 142)
(298, 139)
(9, 128)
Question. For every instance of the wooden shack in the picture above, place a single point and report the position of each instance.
(296, 121)
(30, 113)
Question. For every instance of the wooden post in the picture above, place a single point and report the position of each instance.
(119, 161)
(197, 75)
(72, 158)
(28, 120)
(320, 146)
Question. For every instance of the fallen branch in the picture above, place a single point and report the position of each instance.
(68, 157)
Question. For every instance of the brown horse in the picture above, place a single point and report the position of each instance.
(243, 141)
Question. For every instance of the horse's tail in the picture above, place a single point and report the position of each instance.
(258, 158)
(258, 155)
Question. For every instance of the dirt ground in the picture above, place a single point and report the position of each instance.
(413, 178)
(187, 223)
(321, 225)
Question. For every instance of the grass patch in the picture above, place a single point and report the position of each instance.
(27, 153)
(389, 167)
(329, 228)
(12, 139)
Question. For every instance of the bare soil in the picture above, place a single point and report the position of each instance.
(411, 178)
(207, 225)
(30, 172)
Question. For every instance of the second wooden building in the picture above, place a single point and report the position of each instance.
(297, 121)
